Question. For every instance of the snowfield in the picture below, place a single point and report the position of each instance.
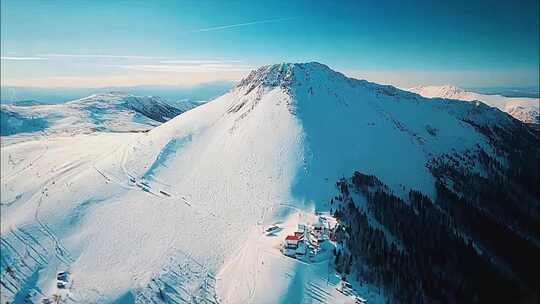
(175, 214)
(522, 108)
(259, 273)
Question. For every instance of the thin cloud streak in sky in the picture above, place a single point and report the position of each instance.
(129, 78)
(197, 68)
(410, 78)
(198, 61)
(101, 56)
(229, 26)
(22, 58)
(167, 60)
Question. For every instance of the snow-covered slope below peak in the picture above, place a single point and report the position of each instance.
(522, 108)
(156, 215)
(339, 123)
(373, 119)
(218, 184)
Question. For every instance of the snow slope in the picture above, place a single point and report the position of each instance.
(162, 216)
(113, 112)
(522, 108)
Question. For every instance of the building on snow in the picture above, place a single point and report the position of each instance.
(291, 241)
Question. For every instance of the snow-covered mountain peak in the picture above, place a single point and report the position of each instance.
(111, 96)
(287, 75)
(443, 91)
(117, 98)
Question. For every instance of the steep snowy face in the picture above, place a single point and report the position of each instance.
(350, 123)
(522, 108)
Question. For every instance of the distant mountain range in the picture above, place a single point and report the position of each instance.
(171, 94)
(522, 108)
(112, 112)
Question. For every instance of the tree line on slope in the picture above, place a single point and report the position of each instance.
(436, 252)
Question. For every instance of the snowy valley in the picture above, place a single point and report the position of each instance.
(177, 213)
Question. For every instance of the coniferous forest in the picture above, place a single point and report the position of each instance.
(477, 241)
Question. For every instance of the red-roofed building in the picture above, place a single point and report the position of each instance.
(292, 241)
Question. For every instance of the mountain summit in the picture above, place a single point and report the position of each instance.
(286, 74)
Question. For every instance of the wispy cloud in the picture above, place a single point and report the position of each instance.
(410, 78)
(23, 58)
(129, 70)
(229, 26)
(101, 56)
(194, 68)
(164, 60)
(196, 61)
(127, 78)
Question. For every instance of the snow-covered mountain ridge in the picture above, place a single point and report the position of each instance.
(522, 108)
(113, 112)
(149, 106)
(176, 214)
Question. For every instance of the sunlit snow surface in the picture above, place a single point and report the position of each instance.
(174, 214)
(522, 108)
(110, 112)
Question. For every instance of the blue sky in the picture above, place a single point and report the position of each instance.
(115, 43)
